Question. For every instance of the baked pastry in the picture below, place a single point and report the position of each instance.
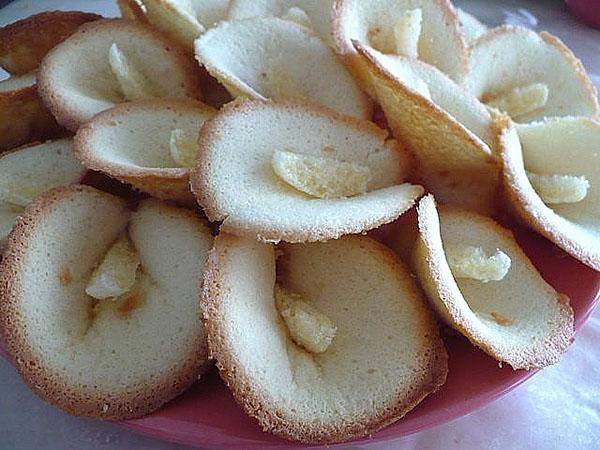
(449, 131)
(110, 358)
(315, 15)
(552, 182)
(185, 20)
(298, 172)
(28, 171)
(150, 144)
(108, 62)
(271, 58)
(482, 284)
(529, 76)
(427, 29)
(372, 371)
(23, 44)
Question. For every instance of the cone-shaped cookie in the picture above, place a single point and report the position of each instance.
(23, 116)
(551, 181)
(448, 130)
(185, 20)
(265, 58)
(297, 172)
(384, 358)
(23, 44)
(499, 302)
(379, 23)
(28, 171)
(152, 147)
(112, 358)
(529, 75)
(108, 62)
(312, 14)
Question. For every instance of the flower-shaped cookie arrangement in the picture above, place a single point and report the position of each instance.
(113, 303)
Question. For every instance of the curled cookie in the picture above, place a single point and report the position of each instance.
(351, 296)
(552, 182)
(185, 20)
(483, 285)
(150, 144)
(449, 131)
(115, 357)
(297, 172)
(23, 44)
(529, 76)
(108, 62)
(264, 58)
(427, 29)
(28, 171)
(309, 13)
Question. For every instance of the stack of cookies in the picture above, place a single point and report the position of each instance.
(203, 182)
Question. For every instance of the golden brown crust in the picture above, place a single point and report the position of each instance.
(432, 259)
(255, 401)
(481, 168)
(437, 114)
(522, 200)
(45, 382)
(24, 119)
(23, 44)
(163, 183)
(57, 104)
(202, 186)
(132, 10)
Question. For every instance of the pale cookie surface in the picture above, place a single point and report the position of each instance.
(375, 369)
(139, 149)
(185, 20)
(564, 205)
(450, 133)
(271, 58)
(520, 319)
(26, 172)
(373, 23)
(508, 58)
(318, 12)
(76, 80)
(251, 200)
(106, 359)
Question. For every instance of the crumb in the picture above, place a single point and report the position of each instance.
(65, 277)
(501, 320)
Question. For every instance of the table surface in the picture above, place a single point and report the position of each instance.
(559, 408)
